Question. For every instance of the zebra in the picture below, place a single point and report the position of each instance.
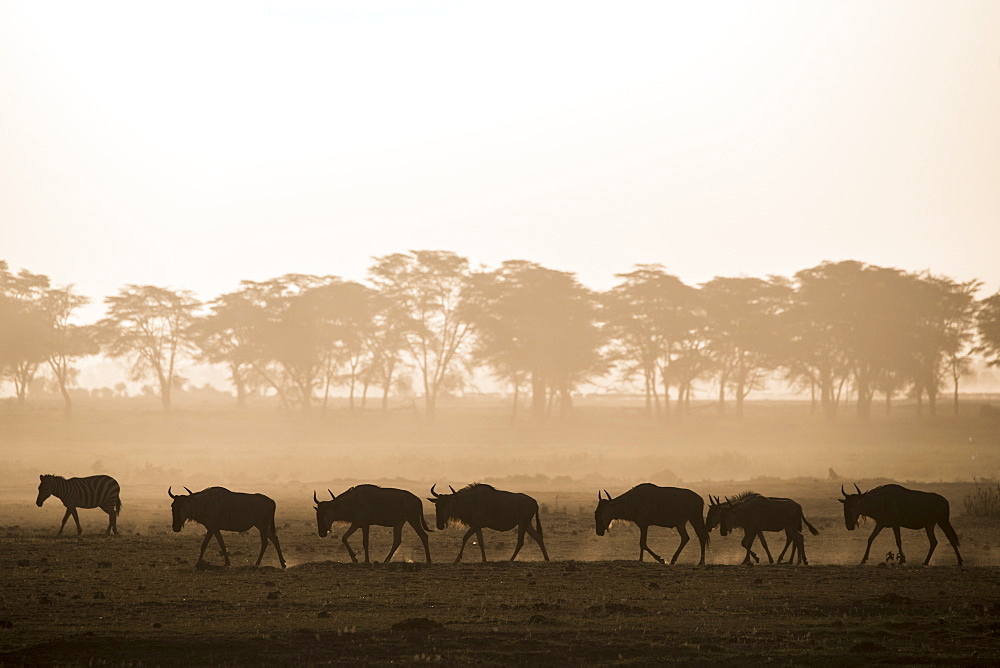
(96, 491)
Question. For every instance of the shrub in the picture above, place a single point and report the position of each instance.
(984, 502)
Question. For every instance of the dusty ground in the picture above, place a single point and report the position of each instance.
(138, 597)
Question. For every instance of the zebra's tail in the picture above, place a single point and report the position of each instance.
(118, 507)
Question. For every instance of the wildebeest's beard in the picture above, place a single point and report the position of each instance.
(179, 510)
(602, 517)
(325, 517)
(851, 511)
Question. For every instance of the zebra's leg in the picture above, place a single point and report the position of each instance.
(875, 532)
(364, 541)
(520, 541)
(111, 523)
(644, 547)
(222, 546)
(343, 539)
(682, 532)
(534, 533)
(76, 518)
(465, 539)
(204, 546)
(63, 525)
(482, 543)
(397, 538)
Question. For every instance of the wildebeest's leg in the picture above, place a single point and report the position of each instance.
(763, 543)
(343, 539)
(520, 541)
(204, 546)
(875, 532)
(537, 535)
(788, 541)
(63, 525)
(800, 543)
(273, 535)
(932, 539)
(747, 543)
(364, 541)
(482, 543)
(682, 532)
(423, 538)
(263, 544)
(949, 531)
(222, 546)
(465, 539)
(899, 544)
(397, 538)
(643, 547)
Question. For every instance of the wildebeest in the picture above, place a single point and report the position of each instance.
(96, 491)
(480, 506)
(648, 505)
(219, 509)
(896, 506)
(756, 514)
(364, 505)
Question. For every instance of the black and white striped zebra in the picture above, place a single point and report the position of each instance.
(96, 491)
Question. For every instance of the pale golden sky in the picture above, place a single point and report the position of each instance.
(197, 144)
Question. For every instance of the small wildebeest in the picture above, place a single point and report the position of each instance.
(96, 491)
(896, 506)
(648, 505)
(364, 505)
(480, 506)
(218, 509)
(756, 514)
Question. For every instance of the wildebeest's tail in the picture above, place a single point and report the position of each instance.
(812, 529)
(538, 522)
(423, 523)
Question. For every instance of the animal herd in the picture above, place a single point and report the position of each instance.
(480, 506)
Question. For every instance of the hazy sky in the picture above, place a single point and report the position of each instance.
(195, 145)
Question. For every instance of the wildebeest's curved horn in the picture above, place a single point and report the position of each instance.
(170, 493)
(189, 491)
(433, 493)
(315, 500)
(843, 492)
(607, 495)
(727, 500)
(858, 488)
(332, 495)
(452, 489)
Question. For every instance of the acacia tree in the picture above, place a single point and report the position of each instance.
(386, 341)
(540, 323)
(150, 326)
(225, 335)
(651, 315)
(427, 287)
(66, 342)
(24, 336)
(988, 327)
(742, 315)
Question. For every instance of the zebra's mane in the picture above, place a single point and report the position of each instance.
(745, 496)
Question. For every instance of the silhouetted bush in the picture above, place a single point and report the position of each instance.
(984, 502)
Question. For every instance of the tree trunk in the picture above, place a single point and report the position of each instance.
(565, 402)
(67, 400)
(538, 399)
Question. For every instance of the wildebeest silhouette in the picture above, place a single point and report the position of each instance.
(364, 505)
(755, 514)
(96, 491)
(896, 506)
(219, 509)
(649, 505)
(480, 506)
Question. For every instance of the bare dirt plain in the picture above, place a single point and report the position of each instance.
(138, 598)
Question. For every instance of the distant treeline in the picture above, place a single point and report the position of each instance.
(837, 330)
